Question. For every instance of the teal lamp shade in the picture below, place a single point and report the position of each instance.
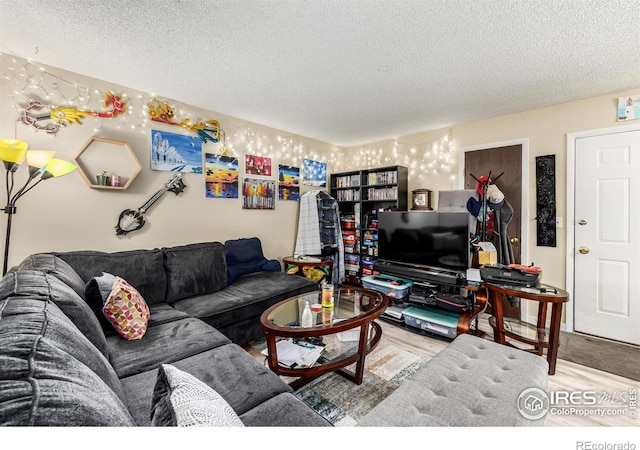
(57, 168)
(12, 152)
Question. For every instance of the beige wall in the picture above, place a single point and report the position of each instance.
(546, 130)
(65, 214)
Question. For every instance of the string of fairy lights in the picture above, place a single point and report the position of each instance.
(29, 80)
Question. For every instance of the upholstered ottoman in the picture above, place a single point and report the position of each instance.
(472, 382)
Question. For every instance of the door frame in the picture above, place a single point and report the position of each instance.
(524, 173)
(570, 275)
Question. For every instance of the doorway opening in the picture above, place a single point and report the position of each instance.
(509, 158)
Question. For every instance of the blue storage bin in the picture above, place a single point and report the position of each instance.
(443, 323)
(392, 287)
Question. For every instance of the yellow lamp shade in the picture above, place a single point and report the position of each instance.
(57, 168)
(12, 150)
(39, 158)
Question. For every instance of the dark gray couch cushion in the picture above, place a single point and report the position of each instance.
(50, 374)
(162, 343)
(142, 269)
(194, 269)
(249, 296)
(236, 310)
(232, 372)
(163, 313)
(57, 267)
(41, 285)
(284, 410)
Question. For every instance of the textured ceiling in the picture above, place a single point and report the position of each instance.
(344, 72)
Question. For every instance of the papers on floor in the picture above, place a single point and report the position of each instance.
(301, 354)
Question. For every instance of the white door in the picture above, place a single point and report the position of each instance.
(607, 236)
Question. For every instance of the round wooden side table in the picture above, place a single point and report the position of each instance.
(543, 337)
(297, 266)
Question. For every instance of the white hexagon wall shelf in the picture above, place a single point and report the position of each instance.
(100, 155)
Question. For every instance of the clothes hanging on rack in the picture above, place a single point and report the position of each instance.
(494, 213)
(308, 239)
(319, 232)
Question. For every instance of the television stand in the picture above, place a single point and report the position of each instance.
(420, 275)
(464, 321)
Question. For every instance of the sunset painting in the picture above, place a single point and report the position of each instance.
(288, 183)
(221, 176)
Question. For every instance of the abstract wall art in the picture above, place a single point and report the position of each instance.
(258, 194)
(314, 173)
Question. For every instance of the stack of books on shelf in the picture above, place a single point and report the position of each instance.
(351, 262)
(390, 177)
(350, 242)
(348, 195)
(348, 181)
(370, 243)
(367, 265)
(390, 193)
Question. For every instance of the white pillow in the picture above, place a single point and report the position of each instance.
(180, 399)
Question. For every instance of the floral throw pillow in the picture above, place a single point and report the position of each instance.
(126, 310)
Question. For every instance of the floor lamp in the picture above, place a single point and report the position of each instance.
(42, 166)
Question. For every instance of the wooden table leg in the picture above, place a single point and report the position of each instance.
(498, 331)
(554, 336)
(362, 352)
(272, 356)
(541, 326)
(365, 346)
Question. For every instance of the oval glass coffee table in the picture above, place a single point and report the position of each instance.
(344, 334)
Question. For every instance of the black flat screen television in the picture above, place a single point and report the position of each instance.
(425, 239)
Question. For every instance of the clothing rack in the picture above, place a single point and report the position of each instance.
(485, 183)
(319, 231)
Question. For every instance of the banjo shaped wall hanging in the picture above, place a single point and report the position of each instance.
(131, 220)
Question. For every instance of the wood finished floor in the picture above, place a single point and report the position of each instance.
(569, 376)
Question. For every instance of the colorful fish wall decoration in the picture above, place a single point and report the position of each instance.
(45, 118)
(161, 111)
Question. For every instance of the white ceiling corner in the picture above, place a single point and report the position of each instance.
(341, 71)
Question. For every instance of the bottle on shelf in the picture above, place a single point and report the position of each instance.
(307, 321)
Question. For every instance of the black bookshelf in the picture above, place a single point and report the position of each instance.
(361, 194)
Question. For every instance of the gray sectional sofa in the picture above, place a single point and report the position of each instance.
(61, 365)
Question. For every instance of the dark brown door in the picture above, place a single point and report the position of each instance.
(508, 162)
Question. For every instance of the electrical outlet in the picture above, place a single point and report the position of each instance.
(558, 222)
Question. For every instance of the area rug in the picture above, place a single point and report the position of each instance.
(609, 356)
(344, 403)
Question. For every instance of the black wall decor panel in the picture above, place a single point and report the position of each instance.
(546, 200)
